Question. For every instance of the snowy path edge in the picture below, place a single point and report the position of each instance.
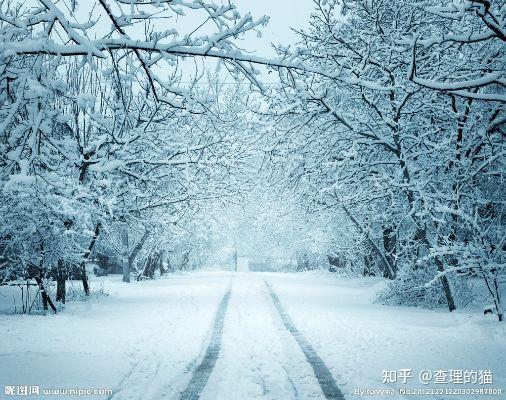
(327, 383)
(201, 374)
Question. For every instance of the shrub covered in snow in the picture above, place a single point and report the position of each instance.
(411, 289)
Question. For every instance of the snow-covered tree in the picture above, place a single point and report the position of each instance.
(367, 134)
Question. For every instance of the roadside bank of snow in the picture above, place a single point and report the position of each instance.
(358, 339)
(137, 341)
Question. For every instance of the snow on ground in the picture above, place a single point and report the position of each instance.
(358, 339)
(138, 341)
(259, 358)
(145, 339)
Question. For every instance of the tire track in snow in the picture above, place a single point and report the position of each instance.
(201, 374)
(325, 379)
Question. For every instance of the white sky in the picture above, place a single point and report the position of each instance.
(283, 14)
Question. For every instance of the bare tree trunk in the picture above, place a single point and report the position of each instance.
(461, 123)
(61, 280)
(39, 276)
(151, 263)
(334, 262)
(185, 260)
(43, 294)
(124, 259)
(495, 291)
(421, 232)
(390, 244)
(84, 276)
(374, 246)
(368, 260)
(87, 254)
(133, 255)
(498, 296)
(160, 265)
(498, 299)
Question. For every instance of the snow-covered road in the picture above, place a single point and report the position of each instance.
(149, 340)
(259, 359)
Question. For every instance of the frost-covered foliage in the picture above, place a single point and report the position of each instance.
(380, 152)
(410, 288)
(101, 144)
(395, 129)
